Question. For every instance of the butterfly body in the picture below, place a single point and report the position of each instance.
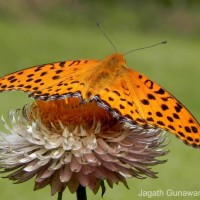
(123, 91)
(106, 72)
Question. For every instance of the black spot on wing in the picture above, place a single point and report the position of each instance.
(160, 91)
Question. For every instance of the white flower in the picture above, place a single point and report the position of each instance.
(64, 144)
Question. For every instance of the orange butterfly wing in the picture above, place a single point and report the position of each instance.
(133, 96)
(160, 108)
(39, 80)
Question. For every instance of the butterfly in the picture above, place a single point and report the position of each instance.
(122, 91)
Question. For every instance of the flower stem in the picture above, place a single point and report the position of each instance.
(60, 195)
(81, 193)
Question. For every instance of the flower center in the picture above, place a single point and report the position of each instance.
(70, 112)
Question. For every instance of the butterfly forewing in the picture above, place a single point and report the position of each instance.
(39, 80)
(162, 109)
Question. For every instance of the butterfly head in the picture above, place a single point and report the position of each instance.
(115, 59)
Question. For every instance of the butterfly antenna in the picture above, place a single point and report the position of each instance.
(109, 40)
(163, 42)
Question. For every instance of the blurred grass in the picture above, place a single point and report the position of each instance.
(35, 38)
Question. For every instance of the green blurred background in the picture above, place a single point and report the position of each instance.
(39, 31)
